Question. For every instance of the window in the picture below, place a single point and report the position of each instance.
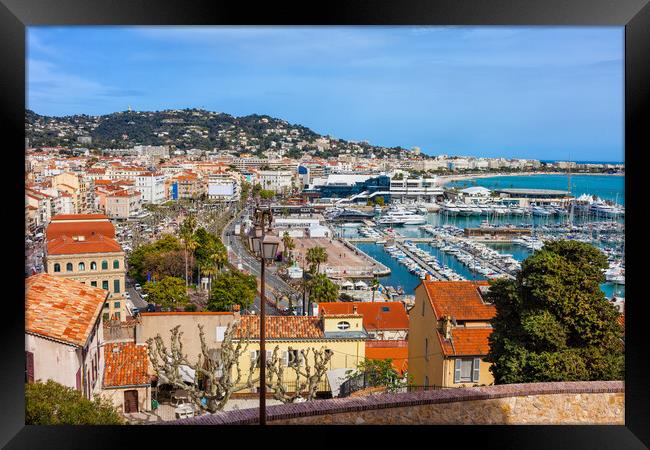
(93, 265)
(116, 315)
(116, 264)
(105, 284)
(426, 349)
(426, 381)
(82, 267)
(466, 370)
(221, 332)
(68, 267)
(422, 307)
(385, 308)
(93, 283)
(105, 317)
(116, 304)
(116, 286)
(293, 357)
(104, 265)
(57, 267)
(343, 325)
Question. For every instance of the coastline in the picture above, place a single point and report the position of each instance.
(446, 179)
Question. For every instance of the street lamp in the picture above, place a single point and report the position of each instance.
(265, 246)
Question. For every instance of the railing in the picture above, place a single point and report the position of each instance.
(363, 381)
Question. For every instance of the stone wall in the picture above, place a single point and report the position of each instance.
(598, 402)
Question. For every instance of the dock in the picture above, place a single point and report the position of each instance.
(418, 260)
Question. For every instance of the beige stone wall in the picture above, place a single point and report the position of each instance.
(116, 396)
(564, 409)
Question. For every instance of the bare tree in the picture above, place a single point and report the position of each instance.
(216, 373)
(299, 362)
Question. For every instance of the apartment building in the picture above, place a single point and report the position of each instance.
(152, 187)
(82, 247)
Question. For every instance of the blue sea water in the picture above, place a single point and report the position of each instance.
(607, 187)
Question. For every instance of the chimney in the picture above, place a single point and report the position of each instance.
(427, 277)
(235, 310)
(446, 326)
(354, 308)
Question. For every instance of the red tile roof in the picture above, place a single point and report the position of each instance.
(459, 299)
(186, 313)
(281, 327)
(126, 365)
(399, 355)
(466, 342)
(61, 309)
(80, 225)
(374, 316)
(93, 244)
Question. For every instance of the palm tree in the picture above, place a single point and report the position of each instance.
(323, 290)
(375, 285)
(289, 245)
(187, 234)
(315, 257)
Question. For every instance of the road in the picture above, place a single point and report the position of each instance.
(239, 255)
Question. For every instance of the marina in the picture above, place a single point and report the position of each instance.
(483, 241)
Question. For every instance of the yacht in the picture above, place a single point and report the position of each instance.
(402, 217)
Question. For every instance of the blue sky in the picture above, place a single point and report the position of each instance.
(538, 92)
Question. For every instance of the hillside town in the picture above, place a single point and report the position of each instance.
(145, 288)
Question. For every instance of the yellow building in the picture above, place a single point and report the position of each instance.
(341, 334)
(82, 247)
(449, 328)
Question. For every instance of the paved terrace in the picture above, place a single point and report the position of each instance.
(342, 261)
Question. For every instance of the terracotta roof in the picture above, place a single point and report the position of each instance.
(61, 309)
(65, 245)
(374, 316)
(467, 342)
(399, 355)
(281, 327)
(459, 299)
(126, 364)
(80, 225)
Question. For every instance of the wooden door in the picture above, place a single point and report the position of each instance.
(131, 401)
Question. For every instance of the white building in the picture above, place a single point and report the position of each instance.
(276, 180)
(64, 333)
(415, 190)
(223, 187)
(152, 187)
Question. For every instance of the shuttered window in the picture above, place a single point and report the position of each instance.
(467, 370)
(29, 369)
(476, 369)
(221, 333)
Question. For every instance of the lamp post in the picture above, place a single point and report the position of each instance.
(265, 246)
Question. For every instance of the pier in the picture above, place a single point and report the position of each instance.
(418, 260)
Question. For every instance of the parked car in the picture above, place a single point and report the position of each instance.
(137, 286)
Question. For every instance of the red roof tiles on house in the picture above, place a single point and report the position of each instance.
(374, 315)
(467, 342)
(93, 244)
(399, 355)
(281, 327)
(126, 365)
(459, 299)
(79, 225)
(61, 309)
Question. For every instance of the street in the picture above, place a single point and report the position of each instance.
(239, 255)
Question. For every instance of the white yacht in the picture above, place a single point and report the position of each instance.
(402, 217)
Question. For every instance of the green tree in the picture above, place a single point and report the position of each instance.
(138, 258)
(322, 289)
(379, 200)
(553, 323)
(374, 285)
(51, 403)
(186, 231)
(379, 372)
(315, 257)
(232, 288)
(170, 292)
(266, 194)
(289, 245)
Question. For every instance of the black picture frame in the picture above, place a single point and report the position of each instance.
(15, 15)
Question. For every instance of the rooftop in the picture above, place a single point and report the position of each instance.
(61, 309)
(376, 316)
(65, 245)
(281, 327)
(394, 350)
(126, 365)
(458, 299)
(466, 342)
